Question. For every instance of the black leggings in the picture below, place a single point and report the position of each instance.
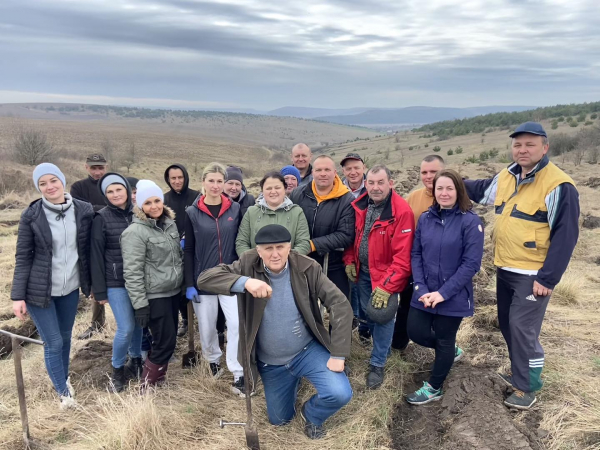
(437, 332)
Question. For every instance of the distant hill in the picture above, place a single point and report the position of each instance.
(573, 114)
(311, 113)
(415, 115)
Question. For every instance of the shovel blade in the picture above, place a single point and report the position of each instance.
(252, 438)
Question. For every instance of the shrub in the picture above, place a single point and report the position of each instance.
(589, 122)
(493, 152)
(472, 159)
(505, 158)
(459, 150)
(573, 124)
(560, 119)
(437, 148)
(410, 148)
(483, 156)
(450, 152)
(426, 145)
(554, 124)
(594, 116)
(32, 147)
(581, 117)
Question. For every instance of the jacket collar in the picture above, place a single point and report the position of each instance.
(362, 203)
(140, 216)
(517, 171)
(226, 203)
(295, 262)
(435, 210)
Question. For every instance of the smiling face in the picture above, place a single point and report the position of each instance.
(96, 172)
(378, 185)
(153, 207)
(428, 171)
(324, 173)
(354, 171)
(213, 184)
(274, 192)
(233, 188)
(176, 179)
(291, 182)
(528, 150)
(301, 156)
(274, 256)
(445, 192)
(52, 189)
(117, 195)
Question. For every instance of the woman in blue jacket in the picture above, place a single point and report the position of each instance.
(446, 254)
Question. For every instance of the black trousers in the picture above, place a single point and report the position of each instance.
(163, 326)
(437, 332)
(183, 307)
(400, 339)
(340, 279)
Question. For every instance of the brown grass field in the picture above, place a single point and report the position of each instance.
(184, 413)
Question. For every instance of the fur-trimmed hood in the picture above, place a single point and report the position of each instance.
(140, 216)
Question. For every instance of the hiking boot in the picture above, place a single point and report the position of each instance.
(375, 377)
(134, 368)
(118, 379)
(183, 328)
(238, 388)
(424, 395)
(506, 378)
(521, 400)
(311, 430)
(88, 333)
(364, 337)
(216, 370)
(67, 402)
(458, 353)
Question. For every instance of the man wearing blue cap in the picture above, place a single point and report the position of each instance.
(537, 226)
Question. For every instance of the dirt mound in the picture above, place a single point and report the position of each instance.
(91, 365)
(591, 222)
(15, 326)
(470, 415)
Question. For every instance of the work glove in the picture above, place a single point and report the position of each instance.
(142, 316)
(191, 293)
(379, 298)
(182, 243)
(351, 272)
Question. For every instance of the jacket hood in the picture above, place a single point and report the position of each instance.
(129, 204)
(186, 177)
(262, 204)
(143, 218)
(339, 189)
(243, 193)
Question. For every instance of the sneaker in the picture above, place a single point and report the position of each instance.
(216, 370)
(375, 377)
(506, 378)
(70, 387)
(424, 395)
(67, 402)
(311, 430)
(238, 388)
(183, 328)
(458, 353)
(88, 333)
(521, 400)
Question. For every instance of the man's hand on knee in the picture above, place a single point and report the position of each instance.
(258, 288)
(335, 365)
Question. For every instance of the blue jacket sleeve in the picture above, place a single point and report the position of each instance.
(482, 191)
(416, 262)
(564, 232)
(471, 259)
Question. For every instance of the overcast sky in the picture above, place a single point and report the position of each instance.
(268, 54)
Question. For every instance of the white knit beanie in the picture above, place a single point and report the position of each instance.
(147, 189)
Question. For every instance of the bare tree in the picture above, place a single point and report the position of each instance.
(399, 150)
(129, 158)
(31, 146)
(589, 139)
(108, 150)
(578, 154)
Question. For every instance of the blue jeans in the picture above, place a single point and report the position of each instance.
(281, 386)
(129, 333)
(55, 325)
(382, 334)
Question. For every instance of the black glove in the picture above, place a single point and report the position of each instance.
(142, 316)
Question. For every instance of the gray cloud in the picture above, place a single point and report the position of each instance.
(337, 54)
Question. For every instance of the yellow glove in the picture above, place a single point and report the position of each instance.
(379, 298)
(351, 272)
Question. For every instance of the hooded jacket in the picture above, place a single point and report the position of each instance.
(307, 178)
(309, 286)
(152, 258)
(87, 190)
(209, 241)
(107, 259)
(179, 201)
(245, 201)
(32, 280)
(446, 255)
(287, 214)
(330, 221)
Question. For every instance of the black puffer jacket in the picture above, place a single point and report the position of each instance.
(209, 241)
(179, 201)
(245, 201)
(87, 190)
(331, 222)
(107, 259)
(32, 279)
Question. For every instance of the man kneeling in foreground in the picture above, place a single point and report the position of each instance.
(285, 336)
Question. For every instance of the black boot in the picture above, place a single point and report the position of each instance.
(118, 379)
(134, 368)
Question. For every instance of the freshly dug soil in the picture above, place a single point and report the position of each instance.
(15, 326)
(91, 365)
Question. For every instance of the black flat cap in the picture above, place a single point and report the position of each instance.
(273, 234)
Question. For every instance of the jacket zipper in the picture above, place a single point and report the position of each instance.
(66, 256)
(170, 246)
(219, 240)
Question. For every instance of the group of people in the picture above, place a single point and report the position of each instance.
(394, 269)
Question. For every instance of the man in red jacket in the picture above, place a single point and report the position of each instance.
(379, 262)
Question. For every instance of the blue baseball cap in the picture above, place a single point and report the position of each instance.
(530, 128)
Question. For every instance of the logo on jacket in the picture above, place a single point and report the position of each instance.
(408, 230)
(230, 219)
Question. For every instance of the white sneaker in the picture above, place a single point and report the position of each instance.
(67, 402)
(70, 387)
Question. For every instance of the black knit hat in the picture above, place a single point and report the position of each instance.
(273, 234)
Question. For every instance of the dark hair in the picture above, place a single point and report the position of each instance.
(431, 158)
(273, 174)
(379, 167)
(462, 198)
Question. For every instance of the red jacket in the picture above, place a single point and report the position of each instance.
(390, 243)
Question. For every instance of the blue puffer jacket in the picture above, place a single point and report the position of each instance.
(446, 255)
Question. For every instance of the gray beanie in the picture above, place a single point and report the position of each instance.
(47, 169)
(147, 189)
(109, 179)
(235, 173)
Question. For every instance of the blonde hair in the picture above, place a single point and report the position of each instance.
(213, 167)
